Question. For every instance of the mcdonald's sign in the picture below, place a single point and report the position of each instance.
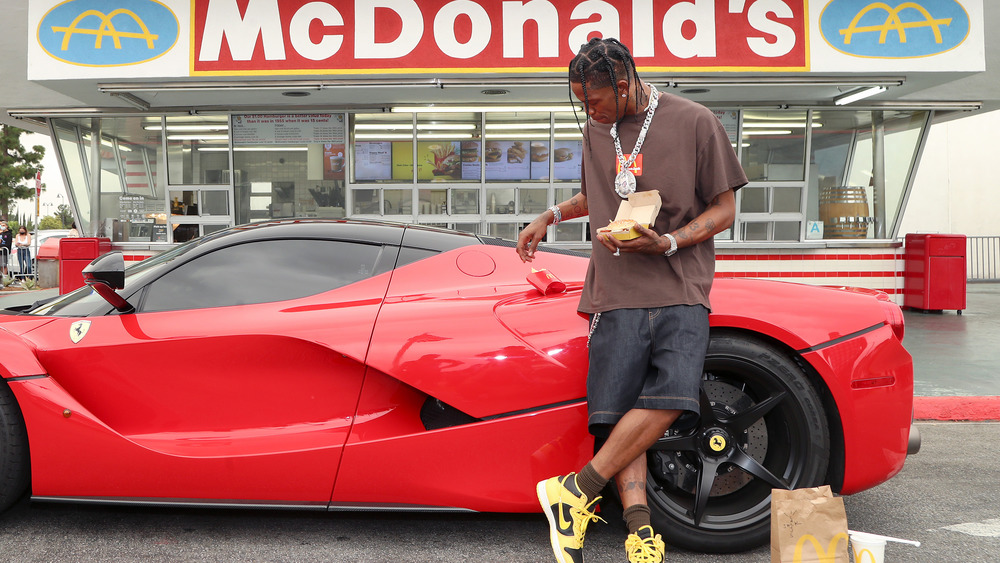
(87, 33)
(894, 29)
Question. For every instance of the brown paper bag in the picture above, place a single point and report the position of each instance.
(808, 526)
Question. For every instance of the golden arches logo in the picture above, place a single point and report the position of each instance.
(894, 23)
(107, 28)
(860, 557)
(828, 555)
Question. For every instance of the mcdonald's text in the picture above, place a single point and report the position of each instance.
(407, 36)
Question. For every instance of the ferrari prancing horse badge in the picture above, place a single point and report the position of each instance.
(78, 330)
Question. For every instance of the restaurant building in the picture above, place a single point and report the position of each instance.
(177, 118)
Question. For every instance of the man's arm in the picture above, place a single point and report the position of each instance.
(527, 241)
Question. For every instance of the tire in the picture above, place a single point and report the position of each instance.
(13, 450)
(762, 426)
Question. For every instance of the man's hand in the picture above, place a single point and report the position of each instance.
(648, 243)
(527, 241)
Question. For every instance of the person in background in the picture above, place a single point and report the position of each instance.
(72, 230)
(23, 243)
(6, 239)
(647, 297)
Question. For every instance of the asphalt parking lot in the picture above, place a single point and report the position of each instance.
(946, 497)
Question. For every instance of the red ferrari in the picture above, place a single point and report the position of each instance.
(309, 363)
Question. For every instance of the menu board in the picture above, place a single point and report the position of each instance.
(567, 157)
(295, 129)
(460, 160)
(372, 160)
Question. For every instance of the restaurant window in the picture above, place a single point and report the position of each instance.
(474, 171)
(772, 152)
(774, 144)
(131, 205)
(845, 201)
(197, 149)
(73, 158)
(288, 165)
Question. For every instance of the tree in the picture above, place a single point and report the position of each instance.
(49, 222)
(17, 165)
(65, 216)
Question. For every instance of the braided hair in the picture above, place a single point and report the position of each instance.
(601, 63)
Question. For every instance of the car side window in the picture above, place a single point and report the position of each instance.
(261, 272)
(409, 255)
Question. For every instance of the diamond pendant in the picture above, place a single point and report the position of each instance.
(625, 183)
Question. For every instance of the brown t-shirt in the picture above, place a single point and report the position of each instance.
(688, 158)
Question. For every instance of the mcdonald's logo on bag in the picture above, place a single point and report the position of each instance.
(828, 555)
(99, 33)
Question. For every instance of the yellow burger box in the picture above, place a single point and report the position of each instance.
(641, 207)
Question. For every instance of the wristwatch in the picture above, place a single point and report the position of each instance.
(673, 245)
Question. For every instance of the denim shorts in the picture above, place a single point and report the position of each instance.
(645, 359)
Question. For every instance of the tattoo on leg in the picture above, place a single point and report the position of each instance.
(635, 485)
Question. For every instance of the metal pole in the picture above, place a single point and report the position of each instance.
(95, 177)
(34, 239)
(878, 173)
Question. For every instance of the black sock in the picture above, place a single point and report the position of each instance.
(590, 482)
(636, 516)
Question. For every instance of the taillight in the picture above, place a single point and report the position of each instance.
(893, 317)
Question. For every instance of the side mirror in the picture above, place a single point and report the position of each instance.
(106, 274)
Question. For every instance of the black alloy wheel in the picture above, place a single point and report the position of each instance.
(13, 450)
(762, 426)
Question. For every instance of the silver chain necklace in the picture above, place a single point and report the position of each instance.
(625, 180)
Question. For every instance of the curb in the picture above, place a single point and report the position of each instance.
(972, 409)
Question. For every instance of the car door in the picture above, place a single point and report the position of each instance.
(237, 377)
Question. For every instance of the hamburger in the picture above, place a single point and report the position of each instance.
(563, 155)
(493, 152)
(619, 226)
(539, 152)
(470, 151)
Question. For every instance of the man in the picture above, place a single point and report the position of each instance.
(647, 297)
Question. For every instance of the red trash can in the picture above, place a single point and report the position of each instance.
(934, 272)
(74, 255)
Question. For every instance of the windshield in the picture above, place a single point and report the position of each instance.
(85, 301)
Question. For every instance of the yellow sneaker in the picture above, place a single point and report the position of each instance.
(644, 547)
(569, 513)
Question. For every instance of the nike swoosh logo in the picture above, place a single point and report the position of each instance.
(565, 519)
